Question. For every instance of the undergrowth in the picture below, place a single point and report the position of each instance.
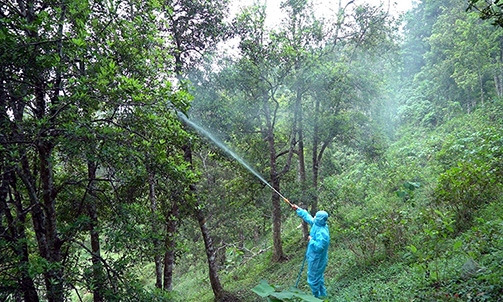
(426, 236)
(470, 271)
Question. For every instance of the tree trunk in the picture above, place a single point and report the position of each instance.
(15, 225)
(155, 228)
(302, 162)
(169, 262)
(44, 222)
(158, 270)
(316, 142)
(276, 222)
(216, 286)
(278, 254)
(43, 207)
(52, 249)
(498, 85)
(16, 234)
(481, 88)
(169, 256)
(97, 267)
(40, 184)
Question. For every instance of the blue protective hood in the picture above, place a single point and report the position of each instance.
(321, 218)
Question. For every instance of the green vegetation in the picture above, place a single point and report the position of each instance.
(420, 248)
(392, 124)
(265, 290)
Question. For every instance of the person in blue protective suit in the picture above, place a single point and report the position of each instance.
(317, 249)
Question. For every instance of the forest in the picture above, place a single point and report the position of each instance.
(147, 149)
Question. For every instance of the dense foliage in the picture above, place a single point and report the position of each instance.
(392, 125)
(81, 89)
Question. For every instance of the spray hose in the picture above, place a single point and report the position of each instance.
(300, 271)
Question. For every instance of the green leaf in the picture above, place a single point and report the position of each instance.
(412, 248)
(401, 194)
(263, 289)
(457, 245)
(283, 295)
(79, 42)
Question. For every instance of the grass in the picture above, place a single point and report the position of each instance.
(447, 266)
(351, 279)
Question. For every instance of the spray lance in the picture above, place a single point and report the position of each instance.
(280, 195)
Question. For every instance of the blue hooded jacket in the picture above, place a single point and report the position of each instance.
(317, 250)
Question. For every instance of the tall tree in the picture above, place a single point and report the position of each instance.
(69, 79)
(302, 37)
(491, 10)
(462, 66)
(278, 87)
(194, 26)
(330, 88)
(472, 50)
(417, 28)
(261, 74)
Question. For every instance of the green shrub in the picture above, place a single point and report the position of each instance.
(464, 189)
(434, 244)
(380, 235)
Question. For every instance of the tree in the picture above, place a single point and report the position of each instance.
(301, 38)
(265, 100)
(70, 81)
(492, 10)
(338, 89)
(462, 67)
(194, 26)
(261, 74)
(417, 28)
